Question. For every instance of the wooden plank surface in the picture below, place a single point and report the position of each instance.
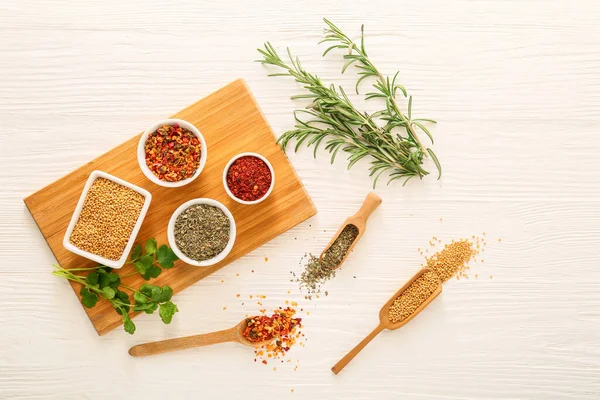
(515, 88)
(231, 123)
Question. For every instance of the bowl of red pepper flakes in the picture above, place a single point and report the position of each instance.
(248, 178)
(172, 153)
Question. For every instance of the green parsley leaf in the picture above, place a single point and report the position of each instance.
(146, 289)
(103, 280)
(128, 324)
(139, 267)
(147, 260)
(167, 293)
(152, 272)
(92, 278)
(148, 308)
(114, 284)
(136, 253)
(139, 298)
(156, 294)
(165, 256)
(108, 292)
(123, 296)
(151, 246)
(166, 312)
(88, 298)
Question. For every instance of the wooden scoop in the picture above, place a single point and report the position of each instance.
(384, 321)
(228, 335)
(359, 220)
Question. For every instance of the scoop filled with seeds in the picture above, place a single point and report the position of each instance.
(400, 309)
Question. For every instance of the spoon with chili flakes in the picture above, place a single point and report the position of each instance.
(257, 331)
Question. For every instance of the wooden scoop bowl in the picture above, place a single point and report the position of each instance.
(228, 335)
(384, 321)
(359, 220)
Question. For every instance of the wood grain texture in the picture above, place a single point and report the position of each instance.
(231, 123)
(515, 88)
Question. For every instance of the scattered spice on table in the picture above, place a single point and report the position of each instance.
(413, 296)
(453, 259)
(109, 214)
(202, 232)
(173, 153)
(318, 271)
(249, 178)
(281, 330)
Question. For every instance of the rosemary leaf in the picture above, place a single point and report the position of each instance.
(331, 116)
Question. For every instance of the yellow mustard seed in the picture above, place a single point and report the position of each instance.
(109, 214)
(413, 296)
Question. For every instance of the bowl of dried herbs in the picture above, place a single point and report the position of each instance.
(201, 232)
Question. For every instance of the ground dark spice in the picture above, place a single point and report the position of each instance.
(249, 178)
(172, 153)
(202, 232)
(334, 255)
(318, 271)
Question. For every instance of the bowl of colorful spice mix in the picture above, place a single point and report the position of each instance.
(172, 153)
(201, 232)
(107, 219)
(248, 178)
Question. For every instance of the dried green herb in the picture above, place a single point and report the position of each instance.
(318, 271)
(202, 232)
(334, 255)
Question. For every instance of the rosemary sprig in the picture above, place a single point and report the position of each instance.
(331, 117)
(386, 89)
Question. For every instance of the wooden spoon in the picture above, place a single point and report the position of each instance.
(228, 335)
(359, 220)
(384, 321)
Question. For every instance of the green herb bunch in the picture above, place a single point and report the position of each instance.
(101, 281)
(331, 116)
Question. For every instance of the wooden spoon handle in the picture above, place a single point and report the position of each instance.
(163, 346)
(369, 205)
(352, 353)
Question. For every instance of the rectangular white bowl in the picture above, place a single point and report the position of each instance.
(94, 257)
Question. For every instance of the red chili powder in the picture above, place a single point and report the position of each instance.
(249, 178)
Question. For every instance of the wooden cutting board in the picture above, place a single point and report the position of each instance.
(231, 122)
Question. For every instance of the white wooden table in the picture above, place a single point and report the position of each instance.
(515, 87)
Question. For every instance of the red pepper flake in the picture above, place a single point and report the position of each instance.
(172, 153)
(278, 330)
(249, 178)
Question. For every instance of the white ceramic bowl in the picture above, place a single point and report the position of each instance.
(94, 257)
(227, 170)
(210, 261)
(141, 153)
